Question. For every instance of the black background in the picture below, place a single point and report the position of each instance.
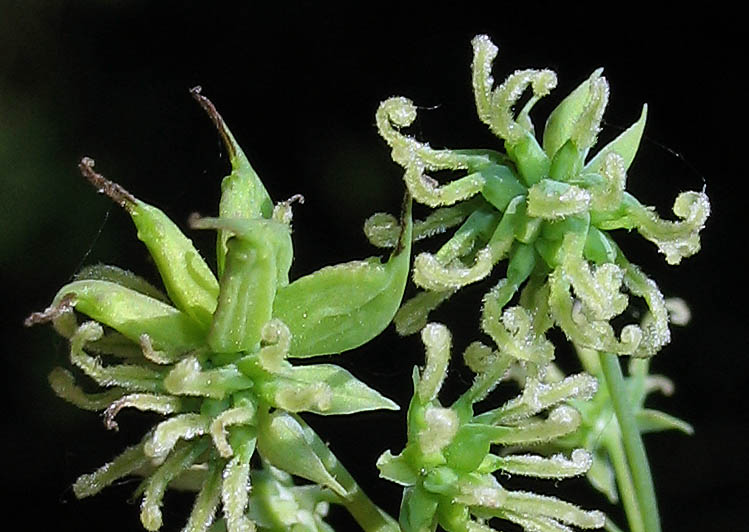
(298, 84)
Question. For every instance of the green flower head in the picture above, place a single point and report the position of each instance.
(447, 467)
(212, 355)
(546, 207)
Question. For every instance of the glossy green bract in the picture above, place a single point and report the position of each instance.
(212, 356)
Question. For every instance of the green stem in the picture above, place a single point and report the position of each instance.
(633, 446)
(610, 526)
(627, 492)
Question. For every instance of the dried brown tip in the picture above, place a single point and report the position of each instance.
(66, 304)
(193, 220)
(296, 198)
(104, 186)
(111, 412)
(215, 117)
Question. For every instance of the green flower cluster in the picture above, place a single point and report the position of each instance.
(211, 353)
(213, 356)
(546, 208)
(447, 466)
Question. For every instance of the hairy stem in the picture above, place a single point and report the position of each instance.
(633, 446)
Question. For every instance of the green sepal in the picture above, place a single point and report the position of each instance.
(561, 121)
(527, 227)
(442, 480)
(324, 389)
(340, 307)
(476, 230)
(602, 477)
(133, 314)
(272, 505)
(532, 162)
(458, 517)
(418, 511)
(396, 469)
(500, 186)
(598, 247)
(625, 145)
(284, 443)
(649, 420)
(468, 449)
(566, 163)
(188, 280)
(549, 244)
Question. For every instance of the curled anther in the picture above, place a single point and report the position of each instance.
(152, 354)
(437, 340)
(104, 186)
(432, 275)
(277, 339)
(163, 404)
(282, 212)
(53, 312)
(398, 112)
(504, 97)
(218, 428)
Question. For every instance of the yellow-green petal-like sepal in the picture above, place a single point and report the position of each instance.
(283, 442)
(561, 122)
(188, 280)
(340, 307)
(133, 314)
(324, 389)
(625, 145)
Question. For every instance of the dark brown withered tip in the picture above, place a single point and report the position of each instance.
(104, 186)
